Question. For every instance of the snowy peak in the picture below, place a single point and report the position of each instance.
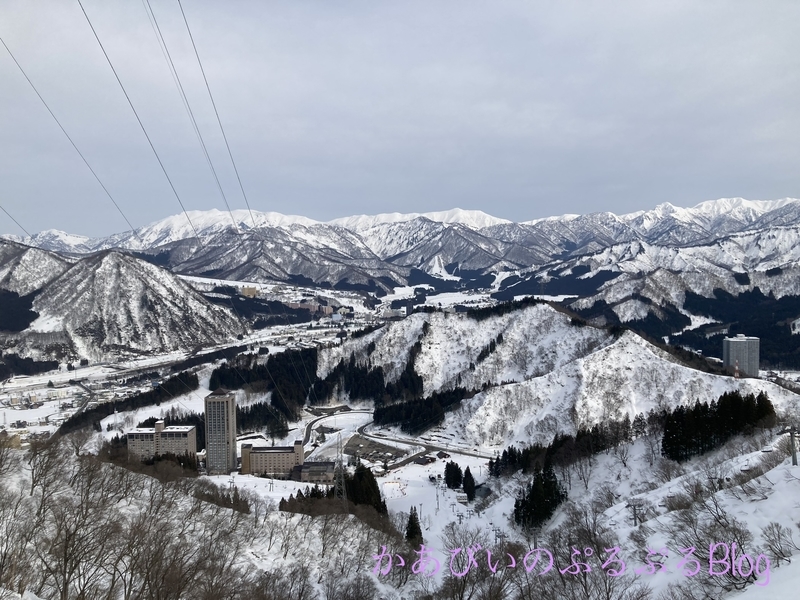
(474, 219)
(715, 208)
(384, 248)
(111, 304)
(24, 269)
(61, 241)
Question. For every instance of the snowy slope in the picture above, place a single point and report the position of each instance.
(629, 376)
(24, 269)
(547, 375)
(111, 304)
(535, 341)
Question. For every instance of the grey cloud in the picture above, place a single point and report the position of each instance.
(520, 109)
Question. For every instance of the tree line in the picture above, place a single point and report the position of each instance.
(289, 375)
(16, 312)
(361, 487)
(12, 364)
(167, 390)
(690, 431)
(416, 416)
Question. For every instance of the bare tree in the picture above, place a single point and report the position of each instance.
(584, 466)
(779, 542)
(9, 456)
(17, 529)
(72, 548)
(666, 470)
(46, 460)
(623, 452)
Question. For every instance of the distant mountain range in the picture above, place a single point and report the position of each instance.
(636, 268)
(377, 252)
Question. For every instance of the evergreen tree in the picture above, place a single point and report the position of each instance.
(639, 427)
(469, 485)
(413, 530)
(452, 475)
(539, 499)
(362, 488)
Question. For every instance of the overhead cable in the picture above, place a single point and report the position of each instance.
(136, 114)
(83, 158)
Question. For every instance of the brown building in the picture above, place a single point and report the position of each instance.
(273, 461)
(314, 472)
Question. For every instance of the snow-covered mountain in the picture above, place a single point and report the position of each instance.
(474, 219)
(639, 264)
(770, 257)
(24, 269)
(547, 375)
(364, 247)
(111, 304)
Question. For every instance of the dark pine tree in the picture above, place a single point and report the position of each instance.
(452, 475)
(413, 530)
(539, 499)
(469, 485)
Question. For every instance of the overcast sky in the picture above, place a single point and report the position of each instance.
(521, 109)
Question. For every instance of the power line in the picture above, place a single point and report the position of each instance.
(238, 177)
(83, 158)
(219, 121)
(176, 78)
(15, 221)
(136, 114)
(161, 164)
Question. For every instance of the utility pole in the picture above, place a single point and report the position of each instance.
(634, 506)
(340, 486)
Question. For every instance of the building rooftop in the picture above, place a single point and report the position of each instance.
(170, 429)
(220, 392)
(271, 448)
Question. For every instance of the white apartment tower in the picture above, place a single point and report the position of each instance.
(741, 351)
(220, 433)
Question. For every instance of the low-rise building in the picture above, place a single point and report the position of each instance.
(146, 442)
(277, 462)
(314, 472)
